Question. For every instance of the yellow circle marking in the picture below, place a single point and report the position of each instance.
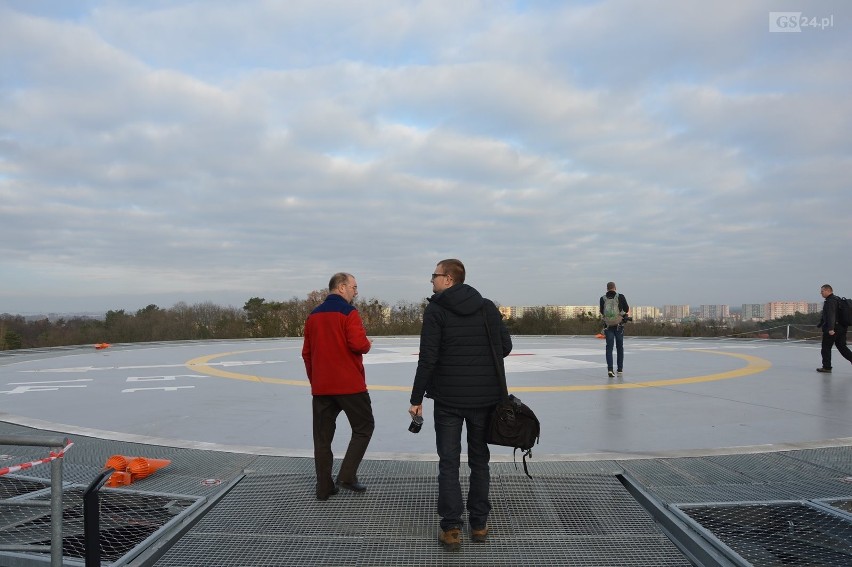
(754, 365)
(200, 364)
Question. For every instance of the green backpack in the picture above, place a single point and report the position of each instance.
(612, 315)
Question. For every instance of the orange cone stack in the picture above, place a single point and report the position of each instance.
(128, 469)
(118, 462)
(119, 478)
(142, 467)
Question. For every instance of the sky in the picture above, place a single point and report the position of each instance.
(165, 151)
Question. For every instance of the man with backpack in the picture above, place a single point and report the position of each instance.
(458, 369)
(834, 324)
(614, 312)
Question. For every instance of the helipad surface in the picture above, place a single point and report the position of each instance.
(677, 397)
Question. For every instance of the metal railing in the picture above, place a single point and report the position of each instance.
(55, 495)
(92, 519)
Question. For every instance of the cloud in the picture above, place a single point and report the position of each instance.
(201, 150)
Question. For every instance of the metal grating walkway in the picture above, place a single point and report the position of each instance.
(274, 520)
(781, 533)
(571, 513)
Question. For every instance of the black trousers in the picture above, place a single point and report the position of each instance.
(359, 412)
(838, 339)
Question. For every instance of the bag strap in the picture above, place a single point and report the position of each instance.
(524, 455)
(500, 373)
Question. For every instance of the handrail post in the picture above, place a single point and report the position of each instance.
(56, 511)
(92, 519)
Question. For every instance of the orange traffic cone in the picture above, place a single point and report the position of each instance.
(118, 462)
(119, 478)
(141, 467)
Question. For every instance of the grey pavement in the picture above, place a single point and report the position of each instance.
(692, 425)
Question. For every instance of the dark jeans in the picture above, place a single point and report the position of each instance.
(448, 430)
(614, 335)
(838, 339)
(359, 412)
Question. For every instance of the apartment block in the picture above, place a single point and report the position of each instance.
(675, 312)
(644, 313)
(571, 311)
(778, 309)
(714, 312)
(753, 312)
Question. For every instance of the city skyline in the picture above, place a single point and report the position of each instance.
(769, 310)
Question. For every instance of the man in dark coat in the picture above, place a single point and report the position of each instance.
(833, 332)
(457, 370)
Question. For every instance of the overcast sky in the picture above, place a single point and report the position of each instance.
(165, 151)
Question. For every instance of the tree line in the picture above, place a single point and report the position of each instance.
(260, 318)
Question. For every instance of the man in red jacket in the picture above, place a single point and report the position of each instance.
(335, 341)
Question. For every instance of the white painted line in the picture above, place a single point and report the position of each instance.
(164, 388)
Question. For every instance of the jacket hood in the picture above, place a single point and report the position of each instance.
(461, 299)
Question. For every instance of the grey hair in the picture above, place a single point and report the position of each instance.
(337, 280)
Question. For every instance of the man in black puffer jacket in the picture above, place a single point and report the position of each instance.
(456, 368)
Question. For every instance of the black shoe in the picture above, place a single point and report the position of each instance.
(620, 371)
(610, 373)
(324, 497)
(353, 486)
(827, 370)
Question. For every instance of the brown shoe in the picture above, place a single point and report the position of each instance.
(479, 536)
(450, 539)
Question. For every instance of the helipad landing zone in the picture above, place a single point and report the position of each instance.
(674, 398)
(753, 365)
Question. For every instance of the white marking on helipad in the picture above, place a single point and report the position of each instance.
(226, 363)
(528, 360)
(51, 382)
(164, 389)
(27, 389)
(162, 378)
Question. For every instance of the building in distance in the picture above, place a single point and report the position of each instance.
(677, 313)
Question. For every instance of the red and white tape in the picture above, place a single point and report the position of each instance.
(23, 466)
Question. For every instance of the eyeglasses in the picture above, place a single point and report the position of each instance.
(436, 275)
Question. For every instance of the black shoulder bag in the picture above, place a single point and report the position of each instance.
(512, 423)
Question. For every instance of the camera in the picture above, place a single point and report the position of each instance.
(626, 319)
(416, 423)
